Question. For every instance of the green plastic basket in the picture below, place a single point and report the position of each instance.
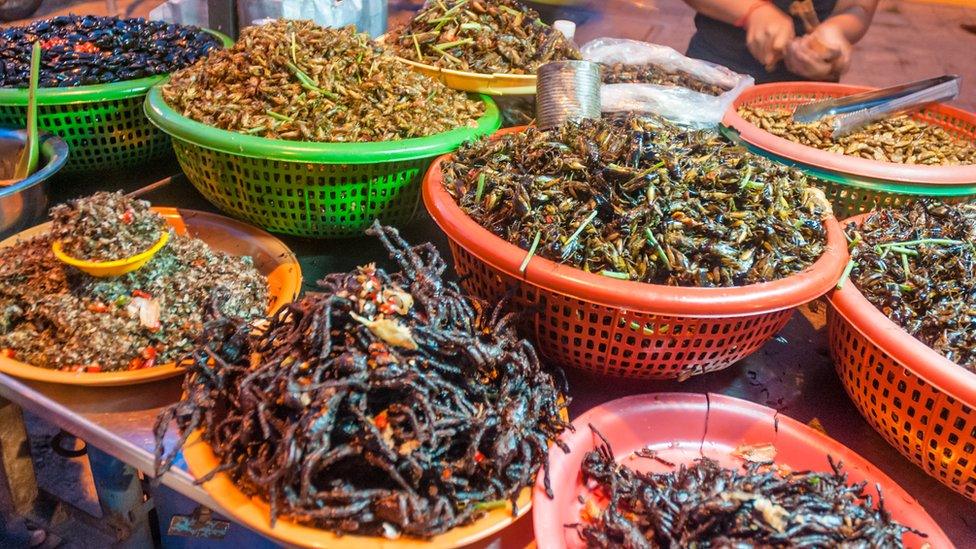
(104, 125)
(322, 190)
(852, 196)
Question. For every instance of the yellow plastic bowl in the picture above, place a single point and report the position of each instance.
(490, 84)
(118, 267)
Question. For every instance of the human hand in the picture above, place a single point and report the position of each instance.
(824, 54)
(769, 32)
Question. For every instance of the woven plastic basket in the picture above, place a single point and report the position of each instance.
(855, 185)
(104, 125)
(919, 401)
(626, 328)
(323, 190)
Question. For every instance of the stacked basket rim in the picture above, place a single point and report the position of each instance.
(885, 176)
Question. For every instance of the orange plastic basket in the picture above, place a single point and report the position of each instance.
(625, 328)
(855, 185)
(921, 402)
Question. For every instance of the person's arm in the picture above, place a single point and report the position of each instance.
(726, 11)
(852, 18)
(826, 52)
(769, 31)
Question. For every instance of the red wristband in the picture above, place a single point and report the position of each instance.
(741, 23)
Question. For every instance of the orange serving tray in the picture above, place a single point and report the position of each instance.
(271, 257)
(255, 513)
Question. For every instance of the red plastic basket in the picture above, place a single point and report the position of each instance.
(853, 184)
(625, 328)
(921, 402)
(682, 427)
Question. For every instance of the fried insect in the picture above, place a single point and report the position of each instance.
(918, 266)
(635, 198)
(620, 73)
(386, 404)
(900, 139)
(483, 36)
(106, 226)
(55, 316)
(299, 81)
(706, 505)
(87, 49)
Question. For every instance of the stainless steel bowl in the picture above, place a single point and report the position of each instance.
(24, 203)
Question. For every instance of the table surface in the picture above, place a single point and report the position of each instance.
(792, 373)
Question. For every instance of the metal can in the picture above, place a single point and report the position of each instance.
(567, 90)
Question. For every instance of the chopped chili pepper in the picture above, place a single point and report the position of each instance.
(592, 511)
(478, 457)
(446, 474)
(98, 307)
(8, 353)
(87, 47)
(389, 307)
(128, 217)
(381, 420)
(142, 294)
(93, 369)
(52, 42)
(149, 357)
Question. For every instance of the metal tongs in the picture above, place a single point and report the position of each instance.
(858, 110)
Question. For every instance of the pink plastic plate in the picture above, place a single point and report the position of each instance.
(681, 427)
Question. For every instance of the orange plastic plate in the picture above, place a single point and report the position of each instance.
(255, 513)
(682, 427)
(271, 258)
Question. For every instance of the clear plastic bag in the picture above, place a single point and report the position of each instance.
(368, 15)
(679, 105)
(182, 12)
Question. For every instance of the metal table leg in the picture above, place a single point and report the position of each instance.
(223, 16)
(18, 483)
(124, 504)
